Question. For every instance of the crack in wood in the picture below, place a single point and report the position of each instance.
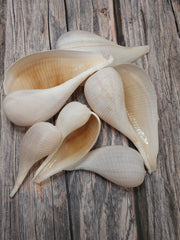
(48, 24)
(144, 26)
(66, 15)
(69, 206)
(53, 208)
(140, 232)
(13, 25)
(118, 23)
(175, 19)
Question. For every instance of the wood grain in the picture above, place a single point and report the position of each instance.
(158, 198)
(82, 205)
(37, 212)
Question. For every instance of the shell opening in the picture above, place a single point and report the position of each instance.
(48, 69)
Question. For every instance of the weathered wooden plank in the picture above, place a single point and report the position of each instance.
(57, 25)
(36, 212)
(4, 208)
(56, 21)
(157, 201)
(95, 204)
(175, 11)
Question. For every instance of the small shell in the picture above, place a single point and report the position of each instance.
(73, 116)
(90, 42)
(38, 75)
(38, 142)
(80, 129)
(121, 165)
(126, 99)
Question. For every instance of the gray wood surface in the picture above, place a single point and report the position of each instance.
(82, 205)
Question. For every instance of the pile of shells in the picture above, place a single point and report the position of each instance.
(38, 86)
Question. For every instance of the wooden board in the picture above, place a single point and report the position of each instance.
(82, 205)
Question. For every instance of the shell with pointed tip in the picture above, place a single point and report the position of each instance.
(90, 42)
(126, 100)
(38, 142)
(141, 105)
(121, 165)
(80, 129)
(46, 80)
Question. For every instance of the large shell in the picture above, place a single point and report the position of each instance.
(80, 129)
(46, 80)
(90, 42)
(121, 165)
(38, 142)
(126, 99)
(141, 105)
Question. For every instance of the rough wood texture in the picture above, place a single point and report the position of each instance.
(82, 205)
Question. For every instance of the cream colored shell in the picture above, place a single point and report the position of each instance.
(125, 98)
(90, 42)
(41, 83)
(121, 165)
(38, 142)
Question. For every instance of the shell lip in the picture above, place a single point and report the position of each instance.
(107, 59)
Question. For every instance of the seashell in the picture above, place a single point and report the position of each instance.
(80, 129)
(121, 165)
(46, 80)
(90, 42)
(38, 142)
(126, 99)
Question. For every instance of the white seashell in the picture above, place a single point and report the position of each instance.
(38, 142)
(141, 104)
(90, 42)
(126, 99)
(46, 80)
(121, 165)
(80, 129)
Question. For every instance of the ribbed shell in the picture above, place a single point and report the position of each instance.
(42, 70)
(48, 69)
(121, 165)
(90, 42)
(38, 142)
(125, 98)
(141, 105)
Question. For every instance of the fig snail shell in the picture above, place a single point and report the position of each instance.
(118, 164)
(126, 99)
(90, 42)
(38, 142)
(41, 83)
